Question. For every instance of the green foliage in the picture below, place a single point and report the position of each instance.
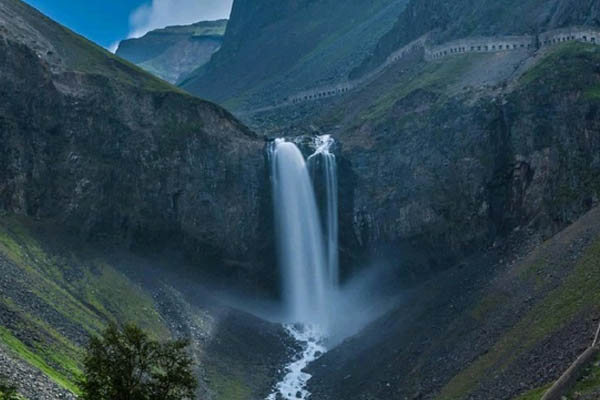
(36, 359)
(126, 365)
(589, 383)
(561, 64)
(7, 391)
(593, 93)
(228, 384)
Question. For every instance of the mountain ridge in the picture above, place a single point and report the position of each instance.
(293, 54)
(175, 51)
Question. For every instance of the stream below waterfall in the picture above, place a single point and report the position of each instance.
(293, 386)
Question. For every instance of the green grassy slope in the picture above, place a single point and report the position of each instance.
(54, 296)
(575, 297)
(80, 54)
(274, 48)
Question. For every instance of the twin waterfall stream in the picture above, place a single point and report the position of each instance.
(307, 251)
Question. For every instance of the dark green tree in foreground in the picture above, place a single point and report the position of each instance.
(124, 364)
(7, 391)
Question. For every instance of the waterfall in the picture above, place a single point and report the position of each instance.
(299, 239)
(323, 162)
(308, 255)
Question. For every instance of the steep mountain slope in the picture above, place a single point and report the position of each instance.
(274, 48)
(116, 193)
(113, 152)
(57, 290)
(524, 156)
(489, 328)
(471, 177)
(173, 52)
(475, 159)
(468, 18)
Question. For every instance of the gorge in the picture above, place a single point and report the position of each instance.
(419, 219)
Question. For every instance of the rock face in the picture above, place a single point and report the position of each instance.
(453, 171)
(451, 168)
(174, 52)
(274, 48)
(115, 153)
(494, 327)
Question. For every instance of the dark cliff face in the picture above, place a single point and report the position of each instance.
(99, 146)
(437, 174)
(173, 52)
(466, 18)
(458, 183)
(273, 48)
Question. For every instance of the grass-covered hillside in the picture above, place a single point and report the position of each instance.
(274, 48)
(447, 20)
(56, 293)
(57, 290)
(501, 326)
(65, 50)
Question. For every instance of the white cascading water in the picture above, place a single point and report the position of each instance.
(308, 259)
(323, 161)
(299, 237)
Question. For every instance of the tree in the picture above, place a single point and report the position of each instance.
(124, 364)
(7, 391)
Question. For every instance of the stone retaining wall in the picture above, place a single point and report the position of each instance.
(480, 45)
(569, 34)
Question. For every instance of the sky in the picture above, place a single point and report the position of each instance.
(106, 22)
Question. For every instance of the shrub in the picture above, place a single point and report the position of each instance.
(7, 391)
(124, 364)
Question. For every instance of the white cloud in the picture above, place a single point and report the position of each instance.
(113, 47)
(161, 13)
